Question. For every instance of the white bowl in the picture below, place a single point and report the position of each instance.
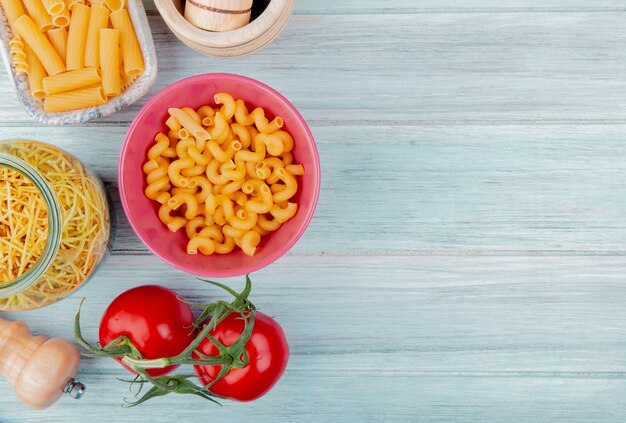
(129, 95)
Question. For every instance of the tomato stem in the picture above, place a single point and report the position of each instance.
(228, 357)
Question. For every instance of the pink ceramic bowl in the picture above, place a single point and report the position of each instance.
(142, 212)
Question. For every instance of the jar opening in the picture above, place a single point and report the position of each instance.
(30, 226)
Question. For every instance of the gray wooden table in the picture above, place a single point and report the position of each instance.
(467, 259)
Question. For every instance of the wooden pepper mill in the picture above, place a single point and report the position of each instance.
(40, 370)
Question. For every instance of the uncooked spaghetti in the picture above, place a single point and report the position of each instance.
(23, 224)
(85, 223)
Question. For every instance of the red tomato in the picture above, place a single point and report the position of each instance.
(157, 322)
(268, 355)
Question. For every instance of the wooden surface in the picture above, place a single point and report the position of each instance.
(467, 260)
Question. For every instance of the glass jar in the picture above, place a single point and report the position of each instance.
(76, 228)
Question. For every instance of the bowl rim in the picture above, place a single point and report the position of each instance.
(277, 253)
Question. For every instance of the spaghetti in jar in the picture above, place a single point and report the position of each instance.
(54, 224)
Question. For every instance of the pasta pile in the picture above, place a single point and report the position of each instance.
(23, 224)
(85, 223)
(227, 176)
(75, 55)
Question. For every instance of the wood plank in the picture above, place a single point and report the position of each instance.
(323, 397)
(432, 314)
(358, 7)
(428, 68)
(460, 189)
(354, 7)
(469, 338)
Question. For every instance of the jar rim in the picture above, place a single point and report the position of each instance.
(53, 239)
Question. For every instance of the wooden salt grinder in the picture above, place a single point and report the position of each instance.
(40, 370)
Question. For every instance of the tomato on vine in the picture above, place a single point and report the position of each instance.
(237, 353)
(154, 319)
(267, 353)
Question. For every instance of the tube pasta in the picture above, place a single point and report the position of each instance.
(173, 223)
(126, 80)
(195, 170)
(212, 231)
(283, 214)
(192, 114)
(194, 226)
(71, 80)
(249, 242)
(188, 123)
(76, 99)
(291, 186)
(227, 176)
(262, 124)
(174, 170)
(295, 169)
(220, 126)
(115, 4)
(12, 10)
(226, 247)
(162, 143)
(133, 59)
(182, 148)
(61, 20)
(206, 112)
(39, 15)
(244, 221)
(155, 189)
(110, 61)
(201, 158)
(98, 19)
(188, 200)
(71, 3)
(77, 37)
(73, 43)
(36, 75)
(173, 124)
(204, 244)
(265, 202)
(53, 7)
(58, 39)
(268, 225)
(39, 44)
(228, 104)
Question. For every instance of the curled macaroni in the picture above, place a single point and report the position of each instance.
(224, 175)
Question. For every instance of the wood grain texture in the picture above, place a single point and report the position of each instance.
(459, 189)
(358, 7)
(466, 260)
(387, 338)
(427, 68)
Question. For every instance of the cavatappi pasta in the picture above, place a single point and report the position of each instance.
(225, 176)
(23, 224)
(84, 228)
(64, 37)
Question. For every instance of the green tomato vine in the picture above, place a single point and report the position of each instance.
(234, 356)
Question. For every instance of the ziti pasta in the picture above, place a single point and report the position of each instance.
(52, 40)
(225, 176)
(26, 224)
